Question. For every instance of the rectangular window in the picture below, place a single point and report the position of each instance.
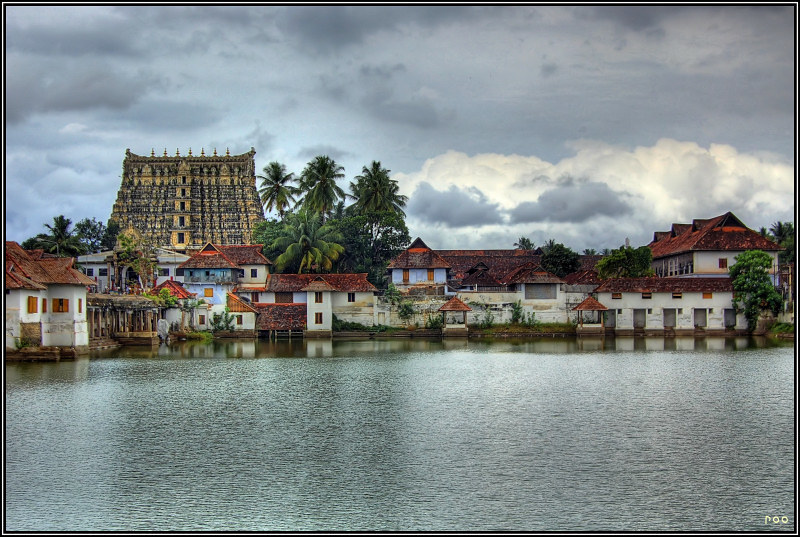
(405, 275)
(163, 272)
(201, 319)
(239, 319)
(182, 206)
(254, 297)
(723, 262)
(284, 298)
(103, 272)
(649, 311)
(318, 317)
(183, 192)
(677, 295)
(708, 295)
(181, 221)
(208, 291)
(44, 305)
(647, 295)
(318, 297)
(90, 272)
(430, 275)
(80, 305)
(616, 295)
(254, 273)
(60, 305)
(179, 272)
(181, 238)
(183, 179)
(351, 297)
(33, 304)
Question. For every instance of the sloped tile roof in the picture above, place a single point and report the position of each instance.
(590, 304)
(319, 284)
(44, 269)
(285, 283)
(226, 256)
(531, 273)
(454, 304)
(418, 255)
(722, 233)
(281, 316)
(16, 279)
(665, 285)
(237, 305)
(175, 289)
(582, 277)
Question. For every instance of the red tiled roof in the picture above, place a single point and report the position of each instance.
(16, 279)
(281, 316)
(319, 284)
(665, 285)
(285, 283)
(590, 304)
(531, 273)
(417, 255)
(722, 233)
(44, 269)
(582, 277)
(175, 289)
(454, 304)
(236, 304)
(226, 256)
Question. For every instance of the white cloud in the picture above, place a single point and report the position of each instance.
(613, 192)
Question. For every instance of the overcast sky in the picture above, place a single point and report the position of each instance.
(584, 124)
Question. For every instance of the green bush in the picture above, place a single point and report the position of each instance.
(434, 322)
(782, 328)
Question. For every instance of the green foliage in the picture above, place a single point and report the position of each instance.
(164, 298)
(110, 236)
(524, 243)
(783, 234)
(222, 322)
(753, 291)
(318, 185)
(434, 322)
(140, 255)
(405, 310)
(393, 294)
(307, 244)
(91, 234)
(375, 192)
(487, 320)
(200, 335)
(519, 317)
(60, 239)
(782, 328)
(559, 259)
(275, 191)
(22, 343)
(626, 262)
(370, 241)
(266, 232)
(346, 326)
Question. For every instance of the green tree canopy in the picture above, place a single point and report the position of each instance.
(374, 191)
(275, 191)
(266, 232)
(753, 291)
(626, 262)
(524, 243)
(307, 244)
(91, 233)
(318, 185)
(559, 259)
(370, 242)
(60, 240)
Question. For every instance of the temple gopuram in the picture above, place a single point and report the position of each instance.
(182, 202)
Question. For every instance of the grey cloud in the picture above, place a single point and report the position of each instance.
(454, 207)
(171, 115)
(571, 202)
(548, 69)
(309, 152)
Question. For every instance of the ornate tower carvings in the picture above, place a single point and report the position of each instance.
(182, 202)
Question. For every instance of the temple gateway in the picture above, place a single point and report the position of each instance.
(183, 202)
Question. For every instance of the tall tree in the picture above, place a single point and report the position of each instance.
(626, 262)
(524, 243)
(589, 251)
(318, 185)
(307, 244)
(783, 234)
(559, 259)
(374, 191)
(61, 240)
(91, 233)
(753, 291)
(275, 191)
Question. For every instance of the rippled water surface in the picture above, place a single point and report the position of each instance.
(405, 435)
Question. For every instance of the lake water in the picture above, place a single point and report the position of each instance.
(608, 435)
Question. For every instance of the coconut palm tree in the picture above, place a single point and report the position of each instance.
(61, 240)
(275, 191)
(307, 243)
(375, 192)
(524, 243)
(318, 185)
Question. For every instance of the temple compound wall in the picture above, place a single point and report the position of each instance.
(183, 202)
